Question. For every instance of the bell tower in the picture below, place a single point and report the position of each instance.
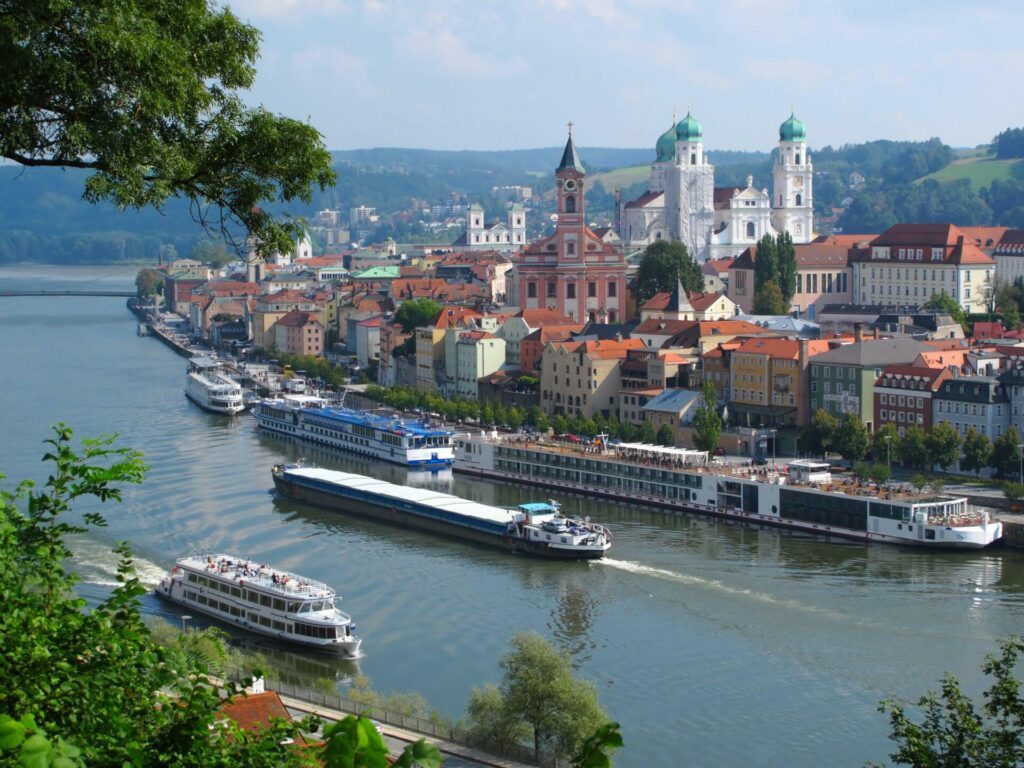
(570, 179)
(793, 203)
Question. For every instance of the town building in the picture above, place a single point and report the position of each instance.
(682, 203)
(496, 236)
(583, 377)
(910, 263)
(768, 381)
(473, 355)
(677, 304)
(266, 310)
(843, 379)
(973, 401)
(573, 271)
(299, 333)
(430, 345)
(1008, 253)
(903, 396)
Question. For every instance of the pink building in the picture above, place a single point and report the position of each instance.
(299, 333)
(573, 271)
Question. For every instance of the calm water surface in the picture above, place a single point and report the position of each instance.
(712, 644)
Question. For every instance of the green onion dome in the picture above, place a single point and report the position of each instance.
(792, 130)
(665, 149)
(689, 129)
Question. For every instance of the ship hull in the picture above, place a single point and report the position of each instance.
(386, 512)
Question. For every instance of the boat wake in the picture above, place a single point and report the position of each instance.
(96, 563)
(710, 584)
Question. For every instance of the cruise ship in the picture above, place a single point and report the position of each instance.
(211, 389)
(400, 441)
(537, 528)
(261, 599)
(805, 497)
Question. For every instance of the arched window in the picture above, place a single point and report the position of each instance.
(611, 315)
(531, 290)
(570, 204)
(570, 247)
(799, 199)
(750, 230)
(798, 158)
(693, 158)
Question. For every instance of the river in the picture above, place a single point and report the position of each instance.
(711, 643)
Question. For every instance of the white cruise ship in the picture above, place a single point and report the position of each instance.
(211, 389)
(261, 599)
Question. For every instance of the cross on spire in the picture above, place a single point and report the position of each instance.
(570, 127)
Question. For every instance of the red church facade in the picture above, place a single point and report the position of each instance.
(573, 271)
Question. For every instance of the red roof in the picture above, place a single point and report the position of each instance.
(298, 319)
(701, 301)
(254, 712)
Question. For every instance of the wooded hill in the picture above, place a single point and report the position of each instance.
(44, 219)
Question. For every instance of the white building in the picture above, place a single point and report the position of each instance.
(497, 236)
(682, 203)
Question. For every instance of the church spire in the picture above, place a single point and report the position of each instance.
(570, 160)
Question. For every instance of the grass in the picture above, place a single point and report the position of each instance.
(980, 171)
(621, 177)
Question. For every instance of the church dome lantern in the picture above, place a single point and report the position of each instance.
(688, 129)
(792, 130)
(665, 149)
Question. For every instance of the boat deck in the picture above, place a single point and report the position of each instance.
(233, 569)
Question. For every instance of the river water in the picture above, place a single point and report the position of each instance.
(711, 643)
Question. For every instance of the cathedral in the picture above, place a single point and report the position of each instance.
(682, 202)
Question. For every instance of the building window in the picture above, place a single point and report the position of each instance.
(799, 199)
(570, 290)
(693, 158)
(750, 230)
(531, 290)
(552, 290)
(799, 283)
(570, 204)
(592, 289)
(613, 288)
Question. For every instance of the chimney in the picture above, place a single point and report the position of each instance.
(858, 333)
(258, 685)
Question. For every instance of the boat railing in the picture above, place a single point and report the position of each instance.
(242, 572)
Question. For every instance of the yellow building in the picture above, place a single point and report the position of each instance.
(583, 378)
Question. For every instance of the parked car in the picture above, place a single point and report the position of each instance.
(719, 451)
(760, 461)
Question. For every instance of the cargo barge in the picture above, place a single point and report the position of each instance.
(535, 529)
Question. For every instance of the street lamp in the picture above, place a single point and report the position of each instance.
(184, 617)
(888, 451)
(1020, 456)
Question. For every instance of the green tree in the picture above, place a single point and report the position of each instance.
(786, 269)
(1014, 493)
(664, 263)
(707, 424)
(1006, 455)
(954, 732)
(852, 437)
(943, 444)
(539, 689)
(212, 252)
(820, 434)
(665, 436)
(766, 263)
(647, 433)
(880, 473)
(886, 449)
(147, 96)
(913, 448)
(149, 282)
(93, 686)
(417, 313)
(977, 450)
(768, 300)
(943, 302)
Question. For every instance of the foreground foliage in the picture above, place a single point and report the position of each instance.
(93, 687)
(955, 732)
(146, 96)
(538, 699)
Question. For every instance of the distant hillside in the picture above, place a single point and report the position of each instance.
(979, 171)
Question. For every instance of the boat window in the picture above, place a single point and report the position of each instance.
(265, 600)
(278, 605)
(293, 607)
(278, 625)
(193, 578)
(304, 608)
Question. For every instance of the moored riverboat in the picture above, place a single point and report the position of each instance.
(538, 528)
(408, 442)
(262, 599)
(805, 498)
(209, 387)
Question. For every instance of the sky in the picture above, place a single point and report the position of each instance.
(510, 74)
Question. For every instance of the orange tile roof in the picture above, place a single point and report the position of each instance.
(536, 318)
(700, 301)
(608, 349)
(253, 712)
(942, 358)
(778, 348)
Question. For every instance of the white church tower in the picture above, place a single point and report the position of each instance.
(690, 190)
(793, 201)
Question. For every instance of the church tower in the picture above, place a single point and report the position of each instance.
(793, 201)
(689, 195)
(569, 183)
